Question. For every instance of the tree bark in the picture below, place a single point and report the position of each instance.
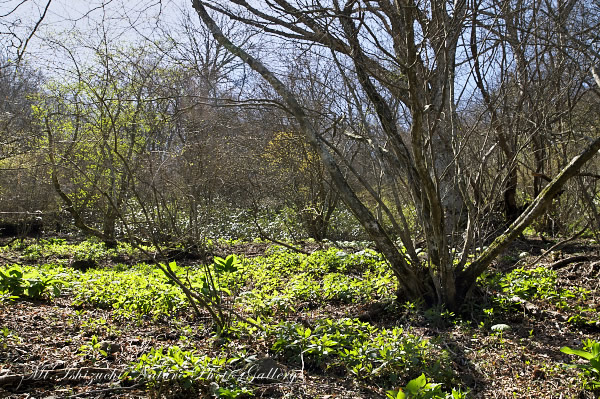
(408, 277)
(468, 277)
(418, 72)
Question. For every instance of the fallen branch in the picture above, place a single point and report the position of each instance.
(264, 236)
(534, 310)
(564, 262)
(552, 248)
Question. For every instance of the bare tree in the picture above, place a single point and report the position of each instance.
(533, 106)
(16, 33)
(403, 56)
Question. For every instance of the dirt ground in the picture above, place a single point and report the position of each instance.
(42, 358)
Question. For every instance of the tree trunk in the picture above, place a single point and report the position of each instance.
(429, 160)
(109, 228)
(468, 277)
(511, 209)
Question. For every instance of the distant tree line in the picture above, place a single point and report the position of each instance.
(446, 126)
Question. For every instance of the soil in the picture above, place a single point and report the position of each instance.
(46, 361)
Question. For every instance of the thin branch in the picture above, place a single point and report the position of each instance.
(21, 51)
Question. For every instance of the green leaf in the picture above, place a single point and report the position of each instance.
(458, 394)
(16, 273)
(228, 265)
(414, 386)
(395, 394)
(578, 352)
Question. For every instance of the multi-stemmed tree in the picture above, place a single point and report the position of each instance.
(449, 101)
(410, 62)
(101, 128)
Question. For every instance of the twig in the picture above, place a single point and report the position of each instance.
(552, 248)
(273, 240)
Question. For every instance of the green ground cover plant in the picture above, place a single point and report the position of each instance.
(172, 368)
(420, 388)
(300, 311)
(591, 368)
(17, 282)
(137, 292)
(383, 356)
(540, 284)
(327, 276)
(90, 249)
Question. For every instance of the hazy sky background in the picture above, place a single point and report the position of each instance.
(72, 29)
(119, 20)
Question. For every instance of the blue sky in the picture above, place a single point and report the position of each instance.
(122, 20)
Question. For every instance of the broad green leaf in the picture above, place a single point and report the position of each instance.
(578, 352)
(416, 385)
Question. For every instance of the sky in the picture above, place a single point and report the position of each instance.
(120, 20)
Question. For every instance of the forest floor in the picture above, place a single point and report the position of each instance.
(58, 347)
